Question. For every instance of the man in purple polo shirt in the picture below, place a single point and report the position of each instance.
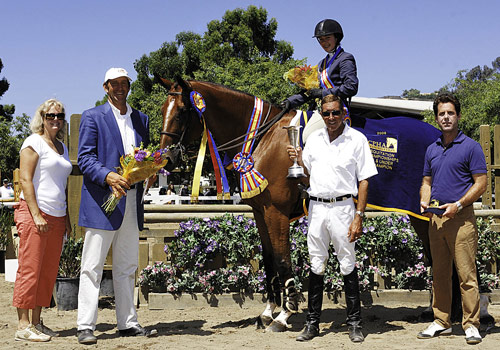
(454, 178)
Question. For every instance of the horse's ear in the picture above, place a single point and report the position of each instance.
(167, 84)
(184, 85)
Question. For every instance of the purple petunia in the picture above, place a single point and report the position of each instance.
(140, 155)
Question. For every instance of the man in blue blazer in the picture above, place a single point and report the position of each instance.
(106, 133)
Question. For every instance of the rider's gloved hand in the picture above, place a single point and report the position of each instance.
(286, 104)
(315, 93)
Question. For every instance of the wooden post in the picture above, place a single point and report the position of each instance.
(484, 140)
(16, 184)
(76, 179)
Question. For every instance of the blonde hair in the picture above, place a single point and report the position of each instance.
(36, 124)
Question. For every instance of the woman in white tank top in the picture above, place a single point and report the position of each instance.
(41, 218)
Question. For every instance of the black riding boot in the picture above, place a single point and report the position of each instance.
(353, 303)
(314, 302)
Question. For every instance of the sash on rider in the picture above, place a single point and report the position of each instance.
(326, 83)
(252, 182)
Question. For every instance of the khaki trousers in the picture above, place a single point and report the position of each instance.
(454, 240)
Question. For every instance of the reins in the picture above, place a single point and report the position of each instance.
(262, 129)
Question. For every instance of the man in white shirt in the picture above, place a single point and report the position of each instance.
(6, 191)
(338, 162)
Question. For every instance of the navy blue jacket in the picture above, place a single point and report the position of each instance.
(343, 74)
(99, 150)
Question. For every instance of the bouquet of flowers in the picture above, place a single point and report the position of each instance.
(305, 77)
(136, 167)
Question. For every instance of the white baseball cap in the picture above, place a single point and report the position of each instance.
(114, 73)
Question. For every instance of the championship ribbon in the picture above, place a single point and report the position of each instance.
(327, 83)
(220, 175)
(252, 182)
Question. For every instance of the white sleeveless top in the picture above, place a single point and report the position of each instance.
(50, 177)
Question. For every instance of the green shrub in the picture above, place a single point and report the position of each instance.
(6, 223)
(71, 257)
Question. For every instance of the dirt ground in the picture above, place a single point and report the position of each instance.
(232, 327)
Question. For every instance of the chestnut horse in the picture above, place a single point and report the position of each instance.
(227, 116)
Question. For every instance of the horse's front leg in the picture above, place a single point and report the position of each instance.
(273, 286)
(279, 232)
(290, 306)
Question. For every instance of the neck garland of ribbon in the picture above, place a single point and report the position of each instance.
(252, 182)
(220, 175)
(327, 83)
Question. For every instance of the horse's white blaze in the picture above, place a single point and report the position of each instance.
(269, 309)
(283, 317)
(169, 111)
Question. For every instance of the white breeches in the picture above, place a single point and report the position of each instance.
(329, 222)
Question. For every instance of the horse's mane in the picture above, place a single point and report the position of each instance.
(236, 91)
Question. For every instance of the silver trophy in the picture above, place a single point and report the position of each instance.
(295, 171)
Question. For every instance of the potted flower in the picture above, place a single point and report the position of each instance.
(158, 278)
(67, 281)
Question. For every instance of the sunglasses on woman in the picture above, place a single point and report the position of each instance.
(52, 116)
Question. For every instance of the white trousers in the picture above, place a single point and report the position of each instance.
(125, 242)
(329, 222)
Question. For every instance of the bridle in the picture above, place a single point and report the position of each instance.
(173, 134)
(262, 129)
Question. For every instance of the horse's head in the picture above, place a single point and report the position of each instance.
(180, 121)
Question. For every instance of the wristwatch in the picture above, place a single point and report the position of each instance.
(459, 206)
(360, 213)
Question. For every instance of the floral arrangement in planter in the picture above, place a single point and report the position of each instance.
(71, 257)
(488, 250)
(215, 256)
(158, 277)
(200, 243)
(414, 277)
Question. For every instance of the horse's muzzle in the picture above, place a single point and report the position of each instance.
(172, 156)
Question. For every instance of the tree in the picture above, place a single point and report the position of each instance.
(415, 94)
(238, 51)
(6, 111)
(13, 131)
(12, 134)
(478, 90)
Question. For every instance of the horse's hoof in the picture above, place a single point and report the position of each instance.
(276, 326)
(487, 322)
(266, 320)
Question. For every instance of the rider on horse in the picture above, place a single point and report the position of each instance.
(337, 72)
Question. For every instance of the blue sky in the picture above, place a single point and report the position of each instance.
(62, 48)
